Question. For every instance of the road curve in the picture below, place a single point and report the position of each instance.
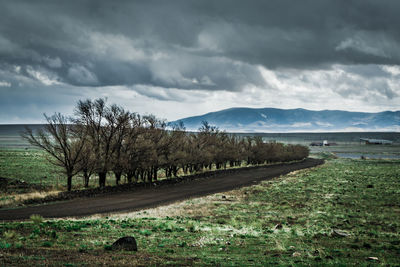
(155, 196)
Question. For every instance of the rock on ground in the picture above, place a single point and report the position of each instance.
(125, 243)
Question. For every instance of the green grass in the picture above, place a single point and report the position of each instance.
(287, 221)
(33, 167)
(30, 166)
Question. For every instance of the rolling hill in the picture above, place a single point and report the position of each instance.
(295, 120)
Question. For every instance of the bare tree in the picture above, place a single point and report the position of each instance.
(107, 126)
(121, 119)
(175, 155)
(62, 141)
(131, 150)
(103, 139)
(87, 163)
(156, 134)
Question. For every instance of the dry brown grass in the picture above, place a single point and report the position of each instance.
(11, 200)
(195, 207)
(198, 207)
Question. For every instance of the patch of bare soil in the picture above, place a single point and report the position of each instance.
(159, 193)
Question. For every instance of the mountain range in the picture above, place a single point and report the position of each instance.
(295, 120)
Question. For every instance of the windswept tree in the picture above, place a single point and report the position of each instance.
(132, 149)
(175, 155)
(87, 163)
(105, 127)
(121, 119)
(62, 141)
(156, 134)
(206, 144)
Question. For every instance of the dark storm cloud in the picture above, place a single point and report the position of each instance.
(211, 45)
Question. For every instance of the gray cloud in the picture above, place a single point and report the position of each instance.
(171, 44)
(157, 48)
(81, 75)
(53, 62)
(27, 98)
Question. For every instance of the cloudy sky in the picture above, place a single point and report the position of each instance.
(180, 58)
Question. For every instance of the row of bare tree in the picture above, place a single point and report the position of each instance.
(102, 139)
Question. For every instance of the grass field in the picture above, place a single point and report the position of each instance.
(346, 212)
(30, 166)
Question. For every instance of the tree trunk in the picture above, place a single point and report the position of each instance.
(69, 182)
(117, 177)
(86, 178)
(102, 179)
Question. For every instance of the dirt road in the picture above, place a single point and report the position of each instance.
(151, 197)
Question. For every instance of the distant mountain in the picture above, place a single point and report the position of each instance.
(295, 120)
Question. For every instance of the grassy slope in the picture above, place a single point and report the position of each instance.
(288, 221)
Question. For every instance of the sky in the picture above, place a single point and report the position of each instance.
(176, 59)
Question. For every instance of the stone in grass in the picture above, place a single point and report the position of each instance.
(125, 243)
(339, 233)
(296, 254)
